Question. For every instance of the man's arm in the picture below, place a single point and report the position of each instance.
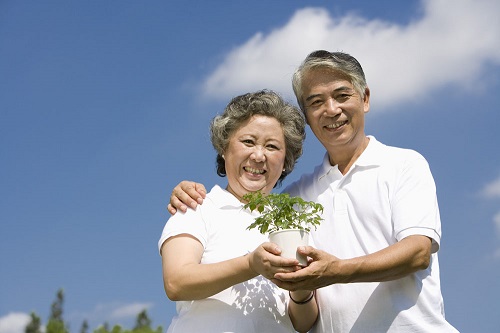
(409, 255)
(186, 193)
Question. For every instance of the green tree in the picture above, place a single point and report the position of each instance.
(34, 326)
(104, 328)
(85, 327)
(142, 321)
(56, 309)
(118, 329)
(143, 324)
(56, 323)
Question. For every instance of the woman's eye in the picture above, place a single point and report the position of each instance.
(247, 141)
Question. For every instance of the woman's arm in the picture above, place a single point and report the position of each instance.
(303, 309)
(184, 278)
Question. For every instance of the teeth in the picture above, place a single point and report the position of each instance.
(336, 125)
(252, 170)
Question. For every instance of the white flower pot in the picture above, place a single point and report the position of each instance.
(288, 240)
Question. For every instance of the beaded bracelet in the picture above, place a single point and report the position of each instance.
(305, 301)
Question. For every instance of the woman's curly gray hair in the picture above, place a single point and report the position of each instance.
(266, 103)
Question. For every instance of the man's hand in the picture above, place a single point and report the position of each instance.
(396, 261)
(186, 194)
(316, 275)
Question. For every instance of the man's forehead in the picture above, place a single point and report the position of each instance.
(326, 81)
(335, 74)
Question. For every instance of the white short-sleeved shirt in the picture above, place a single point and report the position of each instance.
(387, 195)
(254, 306)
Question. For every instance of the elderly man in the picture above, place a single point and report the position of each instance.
(375, 265)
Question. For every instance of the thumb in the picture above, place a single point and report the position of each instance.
(309, 251)
(272, 248)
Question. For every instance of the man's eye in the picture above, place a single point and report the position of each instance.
(343, 97)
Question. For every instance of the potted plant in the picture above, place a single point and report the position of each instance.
(288, 220)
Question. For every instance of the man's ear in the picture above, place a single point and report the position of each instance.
(366, 100)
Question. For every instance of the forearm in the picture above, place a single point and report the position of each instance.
(197, 281)
(303, 310)
(396, 261)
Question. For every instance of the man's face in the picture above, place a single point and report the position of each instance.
(335, 111)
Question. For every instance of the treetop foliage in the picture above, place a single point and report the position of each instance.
(56, 322)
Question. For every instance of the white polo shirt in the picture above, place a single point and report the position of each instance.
(254, 306)
(388, 194)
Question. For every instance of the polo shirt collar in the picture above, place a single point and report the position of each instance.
(369, 157)
(222, 198)
(372, 155)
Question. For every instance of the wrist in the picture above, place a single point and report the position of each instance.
(250, 265)
(302, 300)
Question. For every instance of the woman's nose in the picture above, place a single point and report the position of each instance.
(258, 154)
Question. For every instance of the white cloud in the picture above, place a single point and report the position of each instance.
(492, 190)
(129, 310)
(496, 219)
(14, 322)
(450, 43)
(112, 313)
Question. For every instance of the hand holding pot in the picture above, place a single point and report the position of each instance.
(319, 273)
(266, 261)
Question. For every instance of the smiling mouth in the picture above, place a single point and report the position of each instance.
(336, 125)
(254, 171)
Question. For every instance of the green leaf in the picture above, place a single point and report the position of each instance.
(280, 211)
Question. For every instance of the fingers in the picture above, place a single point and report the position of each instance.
(171, 209)
(292, 286)
(200, 188)
(186, 194)
(308, 251)
(266, 260)
(190, 193)
(176, 204)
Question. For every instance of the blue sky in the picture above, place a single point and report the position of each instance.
(105, 106)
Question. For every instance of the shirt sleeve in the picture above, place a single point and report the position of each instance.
(190, 223)
(415, 207)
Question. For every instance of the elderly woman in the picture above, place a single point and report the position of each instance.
(212, 265)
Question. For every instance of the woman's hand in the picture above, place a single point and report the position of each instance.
(265, 260)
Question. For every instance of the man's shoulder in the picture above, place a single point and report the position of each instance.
(301, 186)
(388, 153)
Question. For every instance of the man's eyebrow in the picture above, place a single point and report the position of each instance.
(312, 96)
(342, 88)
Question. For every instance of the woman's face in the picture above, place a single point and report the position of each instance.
(255, 156)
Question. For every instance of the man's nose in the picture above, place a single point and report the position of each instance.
(332, 107)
